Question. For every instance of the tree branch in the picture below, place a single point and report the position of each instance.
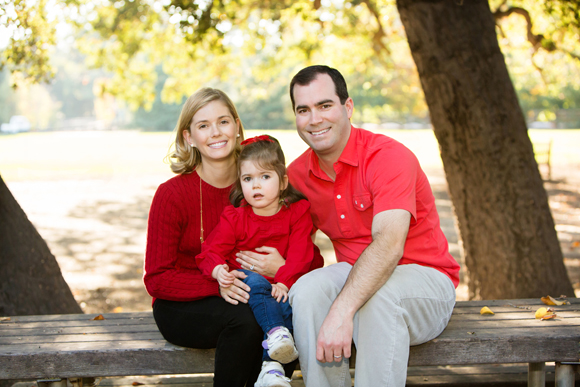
(379, 34)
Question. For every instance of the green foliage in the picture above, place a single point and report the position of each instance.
(32, 37)
(159, 52)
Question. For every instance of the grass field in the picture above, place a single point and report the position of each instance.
(88, 194)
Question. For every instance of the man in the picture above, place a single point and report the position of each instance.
(394, 283)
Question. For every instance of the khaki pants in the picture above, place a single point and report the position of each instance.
(412, 307)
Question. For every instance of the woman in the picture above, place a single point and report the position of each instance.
(190, 309)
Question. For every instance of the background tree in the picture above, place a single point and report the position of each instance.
(30, 281)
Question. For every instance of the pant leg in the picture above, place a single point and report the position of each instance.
(213, 323)
(268, 312)
(413, 307)
(311, 298)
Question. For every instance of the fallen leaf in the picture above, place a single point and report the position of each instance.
(137, 383)
(548, 300)
(576, 244)
(118, 309)
(99, 317)
(486, 310)
(541, 312)
(548, 316)
(4, 318)
(471, 333)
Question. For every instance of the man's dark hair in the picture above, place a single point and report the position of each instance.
(308, 74)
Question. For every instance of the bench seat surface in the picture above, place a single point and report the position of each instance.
(64, 346)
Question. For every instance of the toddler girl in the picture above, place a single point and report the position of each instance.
(266, 211)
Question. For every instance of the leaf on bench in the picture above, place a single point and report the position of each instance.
(548, 300)
(99, 317)
(485, 310)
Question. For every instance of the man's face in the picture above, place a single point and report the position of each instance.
(321, 121)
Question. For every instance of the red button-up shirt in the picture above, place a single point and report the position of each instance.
(373, 174)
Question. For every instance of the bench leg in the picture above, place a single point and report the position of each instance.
(536, 374)
(564, 375)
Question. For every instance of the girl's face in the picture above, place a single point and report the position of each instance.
(213, 131)
(261, 188)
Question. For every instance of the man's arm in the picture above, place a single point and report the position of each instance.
(370, 272)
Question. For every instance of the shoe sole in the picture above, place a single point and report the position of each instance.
(284, 354)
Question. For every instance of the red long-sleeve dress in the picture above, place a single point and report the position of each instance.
(289, 231)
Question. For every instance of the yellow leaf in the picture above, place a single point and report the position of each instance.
(544, 313)
(4, 318)
(486, 310)
(548, 300)
(99, 317)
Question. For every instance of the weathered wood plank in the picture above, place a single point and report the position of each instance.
(74, 323)
(7, 335)
(79, 317)
(91, 338)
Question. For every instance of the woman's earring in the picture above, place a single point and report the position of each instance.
(193, 146)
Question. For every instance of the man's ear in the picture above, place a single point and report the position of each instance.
(349, 106)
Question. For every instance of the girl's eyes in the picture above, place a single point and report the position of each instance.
(246, 179)
(265, 177)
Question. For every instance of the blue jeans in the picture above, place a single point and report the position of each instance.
(268, 312)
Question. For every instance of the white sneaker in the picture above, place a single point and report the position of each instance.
(280, 346)
(272, 375)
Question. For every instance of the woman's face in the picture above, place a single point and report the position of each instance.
(213, 131)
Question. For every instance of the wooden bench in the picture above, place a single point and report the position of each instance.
(75, 346)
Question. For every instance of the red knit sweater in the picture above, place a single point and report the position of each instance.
(173, 231)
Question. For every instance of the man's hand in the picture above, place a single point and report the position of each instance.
(266, 264)
(280, 292)
(335, 337)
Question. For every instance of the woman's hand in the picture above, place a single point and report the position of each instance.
(266, 264)
(280, 292)
(238, 291)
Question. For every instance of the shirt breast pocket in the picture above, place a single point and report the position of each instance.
(362, 202)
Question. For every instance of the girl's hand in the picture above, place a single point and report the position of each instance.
(280, 292)
(236, 292)
(266, 264)
(222, 275)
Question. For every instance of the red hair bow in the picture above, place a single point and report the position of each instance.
(251, 140)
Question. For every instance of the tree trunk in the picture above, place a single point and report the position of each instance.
(509, 241)
(30, 279)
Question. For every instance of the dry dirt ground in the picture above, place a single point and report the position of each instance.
(88, 194)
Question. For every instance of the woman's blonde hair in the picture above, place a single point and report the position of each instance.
(184, 158)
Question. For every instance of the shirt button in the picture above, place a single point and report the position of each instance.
(361, 206)
(338, 196)
(342, 216)
(355, 202)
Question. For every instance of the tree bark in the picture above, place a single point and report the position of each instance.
(30, 279)
(510, 245)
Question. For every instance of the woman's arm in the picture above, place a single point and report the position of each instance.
(162, 278)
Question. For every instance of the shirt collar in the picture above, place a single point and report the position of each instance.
(348, 156)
